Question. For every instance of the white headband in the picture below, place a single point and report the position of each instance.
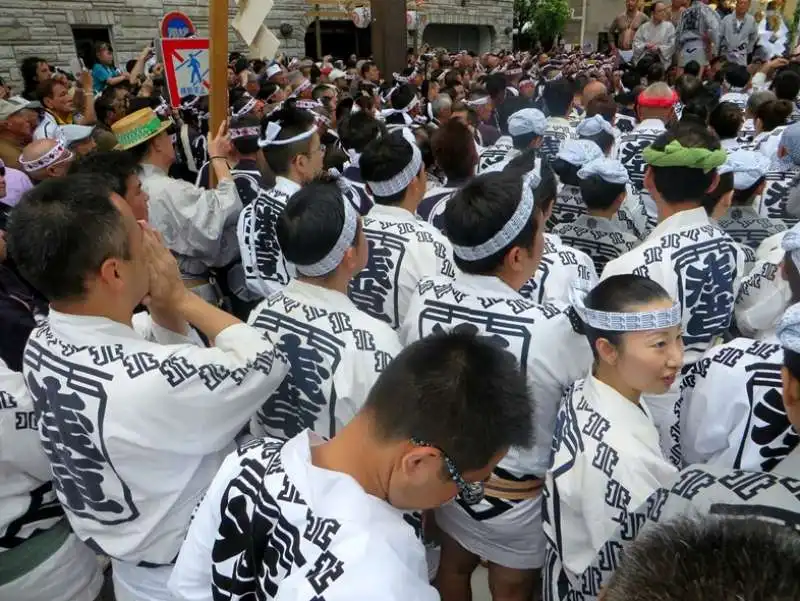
(273, 70)
(272, 132)
(609, 170)
(245, 132)
(791, 244)
(308, 105)
(56, 155)
(301, 88)
(249, 106)
(331, 261)
(479, 101)
(512, 228)
(403, 111)
(400, 182)
(612, 321)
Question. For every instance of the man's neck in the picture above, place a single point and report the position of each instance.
(605, 214)
(741, 16)
(94, 308)
(159, 161)
(293, 176)
(667, 210)
(631, 13)
(247, 157)
(336, 281)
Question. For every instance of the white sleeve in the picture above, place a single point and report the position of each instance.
(762, 299)
(711, 407)
(19, 435)
(148, 329)
(191, 577)
(206, 395)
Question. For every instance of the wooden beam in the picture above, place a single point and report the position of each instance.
(218, 55)
(327, 14)
(389, 36)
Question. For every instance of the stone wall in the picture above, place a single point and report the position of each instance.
(44, 27)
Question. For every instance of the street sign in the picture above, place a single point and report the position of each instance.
(186, 67)
(176, 24)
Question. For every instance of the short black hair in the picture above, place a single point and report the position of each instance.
(249, 144)
(450, 146)
(598, 194)
(481, 209)
(384, 158)
(655, 73)
(311, 222)
(688, 86)
(712, 198)
(566, 171)
(692, 68)
(744, 197)
(62, 231)
(700, 558)
(496, 84)
(737, 76)
(774, 113)
(266, 90)
(458, 391)
(293, 122)
(726, 119)
(786, 85)
(603, 105)
(558, 96)
(115, 166)
(546, 192)
(617, 294)
(403, 96)
(366, 67)
(356, 131)
(681, 184)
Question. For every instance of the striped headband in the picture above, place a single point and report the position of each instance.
(56, 155)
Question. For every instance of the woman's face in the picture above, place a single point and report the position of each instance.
(43, 72)
(649, 361)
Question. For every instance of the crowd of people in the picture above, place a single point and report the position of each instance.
(536, 311)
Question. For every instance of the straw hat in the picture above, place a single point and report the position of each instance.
(138, 127)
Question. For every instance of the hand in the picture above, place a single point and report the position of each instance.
(166, 287)
(220, 145)
(775, 63)
(147, 51)
(86, 80)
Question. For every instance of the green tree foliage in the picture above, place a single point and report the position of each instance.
(550, 17)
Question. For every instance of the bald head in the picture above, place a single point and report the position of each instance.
(592, 90)
(658, 90)
(54, 165)
(657, 102)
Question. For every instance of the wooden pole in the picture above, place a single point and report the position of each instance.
(318, 34)
(218, 33)
(389, 36)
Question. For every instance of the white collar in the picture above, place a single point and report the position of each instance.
(484, 285)
(286, 185)
(679, 221)
(656, 124)
(620, 411)
(94, 327)
(398, 213)
(311, 294)
(331, 494)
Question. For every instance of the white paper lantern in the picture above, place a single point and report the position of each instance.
(361, 16)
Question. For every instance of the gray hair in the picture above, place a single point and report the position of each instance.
(758, 98)
(440, 103)
(710, 557)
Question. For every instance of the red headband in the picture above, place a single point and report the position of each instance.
(649, 102)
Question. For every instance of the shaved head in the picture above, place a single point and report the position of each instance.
(592, 90)
(658, 90)
(39, 148)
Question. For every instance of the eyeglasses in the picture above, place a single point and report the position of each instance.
(469, 492)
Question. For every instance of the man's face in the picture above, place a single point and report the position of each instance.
(310, 165)
(659, 12)
(630, 5)
(742, 6)
(373, 74)
(136, 197)
(21, 125)
(133, 273)
(61, 101)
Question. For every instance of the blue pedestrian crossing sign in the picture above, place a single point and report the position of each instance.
(186, 67)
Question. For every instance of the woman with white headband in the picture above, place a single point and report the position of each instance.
(731, 413)
(496, 226)
(607, 457)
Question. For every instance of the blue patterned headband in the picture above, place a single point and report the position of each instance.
(613, 321)
(791, 244)
(331, 261)
(512, 228)
(400, 182)
(789, 329)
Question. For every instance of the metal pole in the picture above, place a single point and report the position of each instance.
(318, 33)
(218, 34)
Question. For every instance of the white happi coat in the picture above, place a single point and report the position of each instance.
(402, 251)
(136, 428)
(632, 216)
(697, 490)
(265, 269)
(198, 226)
(503, 531)
(747, 227)
(600, 238)
(738, 98)
(732, 411)
(606, 461)
(29, 508)
(629, 153)
(275, 526)
(782, 177)
(335, 354)
(561, 267)
(764, 294)
(495, 157)
(738, 38)
(558, 130)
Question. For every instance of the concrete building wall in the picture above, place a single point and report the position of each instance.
(45, 27)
